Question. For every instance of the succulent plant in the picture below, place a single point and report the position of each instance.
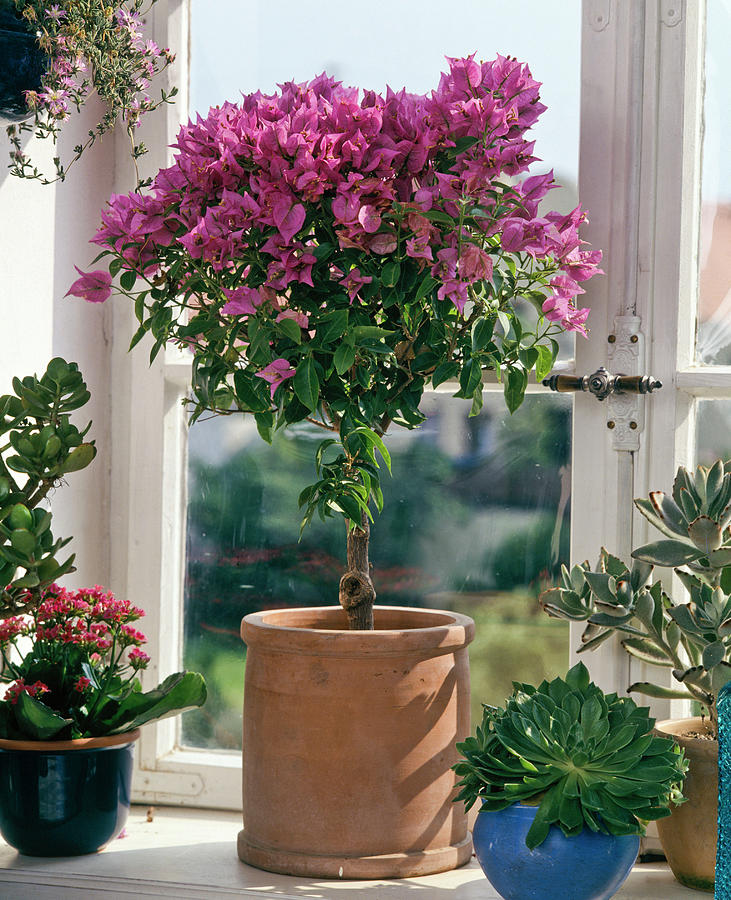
(692, 638)
(40, 446)
(585, 758)
(695, 519)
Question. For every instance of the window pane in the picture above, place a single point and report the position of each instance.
(476, 519)
(713, 424)
(714, 308)
(248, 46)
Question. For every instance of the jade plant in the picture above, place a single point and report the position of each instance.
(586, 759)
(327, 256)
(39, 447)
(71, 669)
(690, 636)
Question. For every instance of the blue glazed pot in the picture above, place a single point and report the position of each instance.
(589, 866)
(65, 798)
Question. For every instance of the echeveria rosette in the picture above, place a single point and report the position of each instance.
(692, 637)
(72, 666)
(585, 758)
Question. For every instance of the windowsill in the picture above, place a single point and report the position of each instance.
(190, 853)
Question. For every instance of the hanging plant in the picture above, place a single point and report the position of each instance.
(85, 48)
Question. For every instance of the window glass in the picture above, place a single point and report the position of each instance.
(714, 307)
(476, 519)
(713, 424)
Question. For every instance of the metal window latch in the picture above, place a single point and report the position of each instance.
(602, 383)
(625, 412)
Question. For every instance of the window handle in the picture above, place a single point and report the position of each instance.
(602, 383)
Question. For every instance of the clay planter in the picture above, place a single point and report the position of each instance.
(65, 798)
(688, 835)
(349, 739)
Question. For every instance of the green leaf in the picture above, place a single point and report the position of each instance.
(545, 361)
(713, 654)
(332, 326)
(291, 329)
(516, 381)
(36, 720)
(482, 333)
(178, 692)
(306, 384)
(656, 690)
(667, 553)
(369, 332)
(444, 372)
(79, 458)
(344, 358)
(127, 279)
(426, 286)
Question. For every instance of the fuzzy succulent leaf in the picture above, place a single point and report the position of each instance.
(667, 553)
(589, 758)
(657, 690)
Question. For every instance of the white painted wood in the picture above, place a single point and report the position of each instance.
(192, 854)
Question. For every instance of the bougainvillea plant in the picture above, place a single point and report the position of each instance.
(90, 47)
(327, 256)
(71, 666)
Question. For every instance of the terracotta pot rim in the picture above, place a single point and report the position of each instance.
(698, 723)
(89, 743)
(450, 631)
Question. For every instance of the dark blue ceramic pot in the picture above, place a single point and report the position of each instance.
(586, 867)
(65, 798)
(22, 65)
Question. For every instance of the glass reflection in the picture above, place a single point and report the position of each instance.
(476, 519)
(714, 302)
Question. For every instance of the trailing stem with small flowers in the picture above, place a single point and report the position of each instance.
(72, 666)
(90, 47)
(328, 256)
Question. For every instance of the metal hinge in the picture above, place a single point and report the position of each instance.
(626, 356)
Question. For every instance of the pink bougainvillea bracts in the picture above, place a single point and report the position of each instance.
(327, 255)
(70, 672)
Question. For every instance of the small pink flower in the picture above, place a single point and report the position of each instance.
(138, 659)
(276, 372)
(94, 287)
(82, 684)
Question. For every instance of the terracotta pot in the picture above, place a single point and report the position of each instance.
(65, 798)
(349, 739)
(688, 835)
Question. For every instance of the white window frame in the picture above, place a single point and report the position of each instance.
(637, 60)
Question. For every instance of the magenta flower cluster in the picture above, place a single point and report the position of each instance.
(263, 174)
(70, 629)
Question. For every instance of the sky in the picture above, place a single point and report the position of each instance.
(239, 46)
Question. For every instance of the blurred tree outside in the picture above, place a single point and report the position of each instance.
(476, 519)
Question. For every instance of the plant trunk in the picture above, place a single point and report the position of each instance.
(357, 594)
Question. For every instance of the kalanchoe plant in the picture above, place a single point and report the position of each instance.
(693, 637)
(72, 669)
(39, 447)
(585, 758)
(91, 47)
(326, 257)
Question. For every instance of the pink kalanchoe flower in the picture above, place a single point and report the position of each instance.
(276, 372)
(137, 658)
(82, 684)
(94, 287)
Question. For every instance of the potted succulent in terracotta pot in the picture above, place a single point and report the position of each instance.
(689, 636)
(567, 777)
(326, 257)
(55, 56)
